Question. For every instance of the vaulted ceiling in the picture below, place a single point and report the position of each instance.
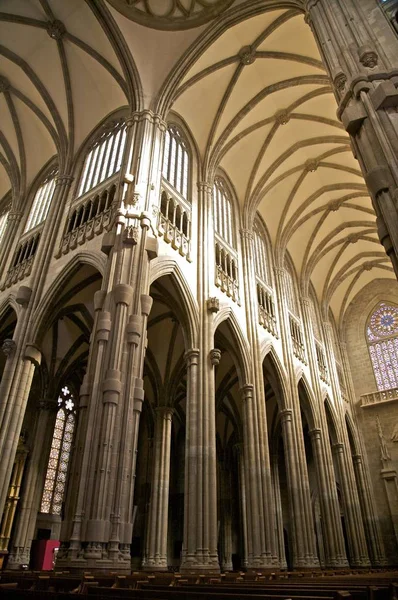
(257, 100)
(61, 73)
(259, 104)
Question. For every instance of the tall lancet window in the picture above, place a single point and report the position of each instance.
(42, 201)
(382, 338)
(174, 215)
(3, 221)
(225, 240)
(175, 168)
(61, 445)
(261, 253)
(291, 297)
(265, 296)
(104, 158)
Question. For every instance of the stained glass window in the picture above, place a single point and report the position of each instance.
(176, 161)
(57, 467)
(382, 335)
(104, 158)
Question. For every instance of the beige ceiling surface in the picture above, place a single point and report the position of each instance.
(57, 84)
(269, 120)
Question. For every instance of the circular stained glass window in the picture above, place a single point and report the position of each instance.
(383, 322)
(171, 14)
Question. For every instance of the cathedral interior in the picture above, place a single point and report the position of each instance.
(198, 284)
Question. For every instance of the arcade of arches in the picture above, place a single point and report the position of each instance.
(198, 295)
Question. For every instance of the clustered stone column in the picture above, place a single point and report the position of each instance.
(302, 523)
(156, 552)
(261, 515)
(361, 517)
(363, 72)
(100, 525)
(330, 510)
(30, 503)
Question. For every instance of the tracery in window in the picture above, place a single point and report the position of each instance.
(176, 161)
(260, 253)
(223, 215)
(104, 158)
(382, 337)
(57, 468)
(291, 293)
(42, 201)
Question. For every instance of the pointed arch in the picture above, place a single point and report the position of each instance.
(308, 402)
(352, 434)
(278, 369)
(165, 265)
(333, 421)
(242, 357)
(96, 260)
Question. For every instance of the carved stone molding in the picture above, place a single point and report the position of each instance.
(8, 347)
(56, 30)
(213, 305)
(247, 55)
(215, 357)
(368, 57)
(171, 14)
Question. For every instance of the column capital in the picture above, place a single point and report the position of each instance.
(247, 391)
(286, 415)
(338, 448)
(204, 186)
(147, 115)
(192, 357)
(357, 459)
(63, 180)
(165, 412)
(33, 354)
(315, 433)
(247, 234)
(14, 215)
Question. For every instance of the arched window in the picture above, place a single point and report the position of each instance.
(260, 253)
(382, 338)
(104, 158)
(226, 257)
(42, 201)
(176, 161)
(223, 213)
(57, 468)
(291, 298)
(3, 221)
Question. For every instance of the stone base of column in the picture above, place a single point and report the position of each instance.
(79, 565)
(155, 564)
(197, 563)
(17, 558)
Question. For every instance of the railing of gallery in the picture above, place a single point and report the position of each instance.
(297, 338)
(226, 270)
(89, 217)
(174, 222)
(22, 262)
(321, 360)
(266, 309)
(377, 397)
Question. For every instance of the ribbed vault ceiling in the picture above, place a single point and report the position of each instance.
(257, 100)
(61, 74)
(260, 105)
